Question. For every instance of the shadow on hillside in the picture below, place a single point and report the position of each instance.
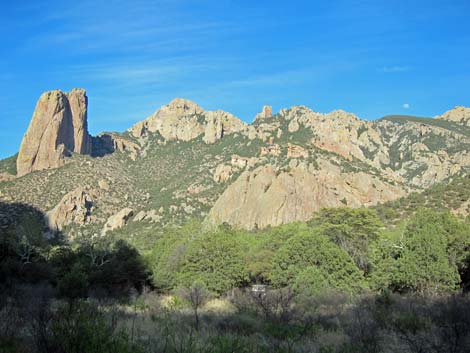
(104, 144)
(24, 238)
(14, 214)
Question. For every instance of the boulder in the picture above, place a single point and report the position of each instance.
(103, 184)
(295, 151)
(75, 207)
(118, 220)
(272, 150)
(58, 127)
(222, 173)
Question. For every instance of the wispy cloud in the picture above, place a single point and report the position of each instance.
(394, 69)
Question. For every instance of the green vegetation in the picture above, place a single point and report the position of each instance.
(341, 283)
(422, 257)
(8, 165)
(217, 260)
(351, 229)
(313, 250)
(347, 250)
(439, 197)
(448, 125)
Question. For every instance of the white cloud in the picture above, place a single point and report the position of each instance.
(406, 106)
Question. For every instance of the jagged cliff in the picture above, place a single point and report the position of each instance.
(184, 162)
(58, 127)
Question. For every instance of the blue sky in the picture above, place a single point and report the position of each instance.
(370, 57)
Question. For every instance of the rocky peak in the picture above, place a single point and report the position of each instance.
(220, 123)
(460, 115)
(183, 106)
(184, 120)
(57, 128)
(266, 113)
(78, 102)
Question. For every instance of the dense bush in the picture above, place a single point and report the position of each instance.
(215, 259)
(351, 229)
(423, 256)
(312, 249)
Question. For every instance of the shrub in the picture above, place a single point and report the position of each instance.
(217, 260)
(311, 249)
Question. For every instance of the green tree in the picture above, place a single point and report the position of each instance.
(352, 229)
(121, 270)
(312, 249)
(416, 259)
(217, 260)
(165, 261)
(263, 246)
(74, 284)
(30, 239)
(311, 282)
(424, 266)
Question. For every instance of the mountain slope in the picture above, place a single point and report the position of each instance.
(187, 163)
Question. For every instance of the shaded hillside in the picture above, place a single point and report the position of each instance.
(453, 195)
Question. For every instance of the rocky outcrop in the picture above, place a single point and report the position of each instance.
(176, 121)
(106, 143)
(149, 216)
(220, 123)
(460, 115)
(266, 113)
(58, 127)
(78, 102)
(333, 159)
(295, 151)
(75, 207)
(183, 120)
(272, 150)
(222, 173)
(240, 162)
(270, 197)
(6, 177)
(118, 220)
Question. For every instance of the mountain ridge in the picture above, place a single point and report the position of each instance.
(183, 162)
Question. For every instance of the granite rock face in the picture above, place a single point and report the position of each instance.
(278, 169)
(78, 102)
(266, 113)
(58, 127)
(118, 220)
(183, 120)
(75, 207)
(267, 196)
(460, 115)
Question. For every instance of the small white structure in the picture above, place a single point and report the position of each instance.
(258, 289)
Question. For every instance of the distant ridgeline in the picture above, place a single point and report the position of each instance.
(184, 163)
